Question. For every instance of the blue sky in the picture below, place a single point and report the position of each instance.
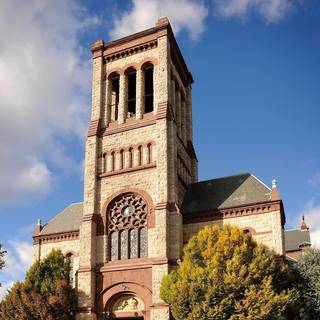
(256, 66)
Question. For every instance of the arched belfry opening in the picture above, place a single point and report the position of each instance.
(131, 94)
(148, 87)
(125, 306)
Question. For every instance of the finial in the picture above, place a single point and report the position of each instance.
(39, 222)
(303, 223)
(275, 196)
(274, 183)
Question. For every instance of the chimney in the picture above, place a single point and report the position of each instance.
(37, 228)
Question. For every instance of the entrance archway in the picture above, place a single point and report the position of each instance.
(126, 306)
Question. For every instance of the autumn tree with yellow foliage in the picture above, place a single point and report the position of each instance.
(224, 275)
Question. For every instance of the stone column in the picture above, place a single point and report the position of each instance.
(184, 122)
(123, 93)
(189, 114)
(140, 94)
(178, 111)
(173, 96)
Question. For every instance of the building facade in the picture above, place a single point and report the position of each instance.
(142, 199)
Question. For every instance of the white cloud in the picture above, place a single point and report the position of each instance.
(312, 218)
(183, 14)
(45, 92)
(17, 261)
(315, 179)
(4, 288)
(271, 10)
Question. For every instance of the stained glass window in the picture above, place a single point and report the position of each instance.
(114, 246)
(123, 245)
(133, 243)
(143, 242)
(127, 222)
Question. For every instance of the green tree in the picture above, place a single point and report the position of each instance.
(308, 269)
(46, 293)
(224, 275)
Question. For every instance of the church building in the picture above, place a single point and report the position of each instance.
(142, 198)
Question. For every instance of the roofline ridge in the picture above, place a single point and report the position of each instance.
(295, 230)
(261, 181)
(223, 177)
(58, 214)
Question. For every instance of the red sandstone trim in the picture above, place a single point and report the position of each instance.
(86, 269)
(56, 237)
(86, 310)
(127, 170)
(165, 111)
(90, 217)
(132, 264)
(170, 206)
(93, 128)
(248, 210)
(141, 47)
(148, 119)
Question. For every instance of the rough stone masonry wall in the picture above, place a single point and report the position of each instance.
(153, 181)
(66, 247)
(267, 228)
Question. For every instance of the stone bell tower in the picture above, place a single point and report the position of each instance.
(139, 160)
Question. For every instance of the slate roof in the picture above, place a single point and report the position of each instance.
(296, 237)
(225, 192)
(69, 219)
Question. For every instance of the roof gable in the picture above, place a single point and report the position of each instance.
(69, 219)
(225, 192)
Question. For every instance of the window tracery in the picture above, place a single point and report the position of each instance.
(127, 227)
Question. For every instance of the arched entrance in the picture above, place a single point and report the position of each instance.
(126, 306)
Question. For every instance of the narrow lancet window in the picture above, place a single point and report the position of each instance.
(143, 242)
(132, 78)
(148, 87)
(114, 246)
(114, 79)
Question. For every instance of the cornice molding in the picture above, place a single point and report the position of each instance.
(56, 237)
(234, 212)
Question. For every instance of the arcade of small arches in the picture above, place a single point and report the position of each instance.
(133, 156)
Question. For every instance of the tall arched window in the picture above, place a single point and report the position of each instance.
(148, 88)
(114, 79)
(127, 227)
(131, 94)
(70, 257)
